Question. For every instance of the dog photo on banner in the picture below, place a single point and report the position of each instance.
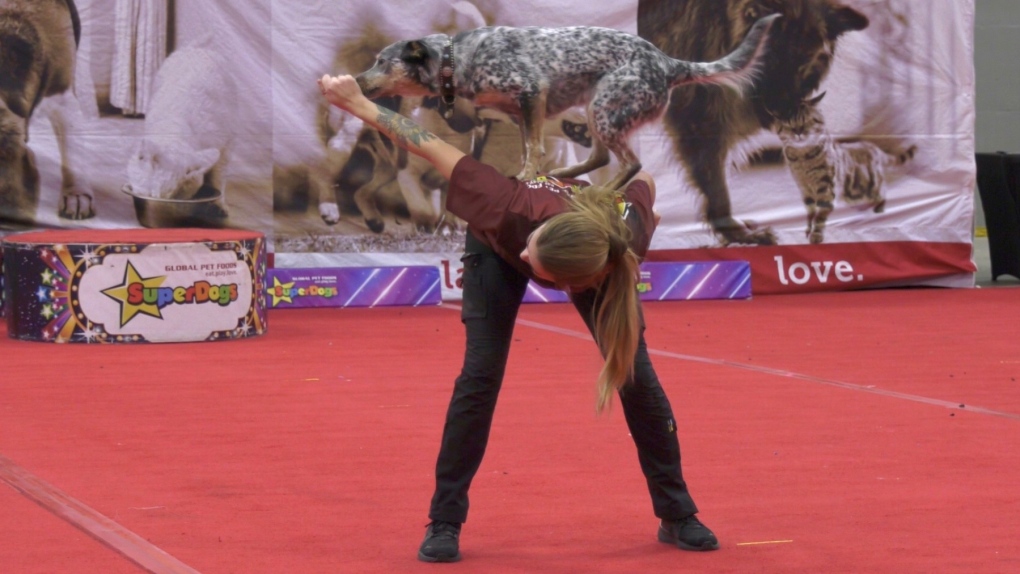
(850, 150)
(369, 194)
(842, 139)
(852, 88)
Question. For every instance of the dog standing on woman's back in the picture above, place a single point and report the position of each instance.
(532, 73)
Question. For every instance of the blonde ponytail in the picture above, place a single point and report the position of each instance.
(589, 246)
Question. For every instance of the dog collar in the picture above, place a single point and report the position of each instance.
(446, 79)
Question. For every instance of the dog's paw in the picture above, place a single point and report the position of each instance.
(747, 234)
(330, 213)
(76, 204)
(376, 225)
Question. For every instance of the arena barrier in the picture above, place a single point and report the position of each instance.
(134, 286)
(675, 281)
(420, 285)
(413, 286)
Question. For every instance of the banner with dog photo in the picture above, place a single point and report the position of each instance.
(135, 113)
(848, 164)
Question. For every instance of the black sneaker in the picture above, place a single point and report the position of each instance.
(687, 533)
(441, 542)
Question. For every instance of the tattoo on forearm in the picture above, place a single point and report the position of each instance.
(402, 128)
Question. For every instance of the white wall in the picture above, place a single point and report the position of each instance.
(997, 80)
(997, 72)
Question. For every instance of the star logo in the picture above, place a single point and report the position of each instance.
(281, 291)
(623, 206)
(120, 293)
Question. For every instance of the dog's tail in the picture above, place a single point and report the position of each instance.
(739, 69)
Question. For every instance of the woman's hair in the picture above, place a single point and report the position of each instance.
(589, 247)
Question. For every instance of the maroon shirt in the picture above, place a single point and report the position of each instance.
(502, 211)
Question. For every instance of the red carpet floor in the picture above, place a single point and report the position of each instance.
(845, 432)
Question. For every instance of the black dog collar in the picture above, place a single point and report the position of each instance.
(446, 79)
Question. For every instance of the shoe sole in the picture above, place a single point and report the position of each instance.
(443, 558)
(665, 538)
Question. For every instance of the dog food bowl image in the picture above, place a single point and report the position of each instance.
(202, 210)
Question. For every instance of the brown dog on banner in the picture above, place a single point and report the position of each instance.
(704, 122)
(38, 43)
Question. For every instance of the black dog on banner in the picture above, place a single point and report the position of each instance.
(532, 73)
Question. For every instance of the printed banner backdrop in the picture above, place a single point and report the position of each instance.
(180, 100)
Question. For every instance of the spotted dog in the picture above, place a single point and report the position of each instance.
(532, 73)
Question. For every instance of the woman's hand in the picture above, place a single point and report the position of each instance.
(341, 91)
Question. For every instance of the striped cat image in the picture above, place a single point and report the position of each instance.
(823, 165)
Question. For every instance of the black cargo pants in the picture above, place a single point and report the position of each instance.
(491, 298)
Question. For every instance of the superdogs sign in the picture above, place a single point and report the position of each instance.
(170, 292)
(137, 294)
(414, 285)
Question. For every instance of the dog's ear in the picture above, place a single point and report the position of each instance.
(844, 19)
(415, 52)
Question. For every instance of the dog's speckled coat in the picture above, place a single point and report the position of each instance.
(533, 72)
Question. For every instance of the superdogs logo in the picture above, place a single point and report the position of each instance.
(146, 295)
(645, 284)
(288, 291)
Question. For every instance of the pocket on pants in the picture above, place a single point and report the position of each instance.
(473, 302)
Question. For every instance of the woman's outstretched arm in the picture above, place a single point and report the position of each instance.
(344, 93)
